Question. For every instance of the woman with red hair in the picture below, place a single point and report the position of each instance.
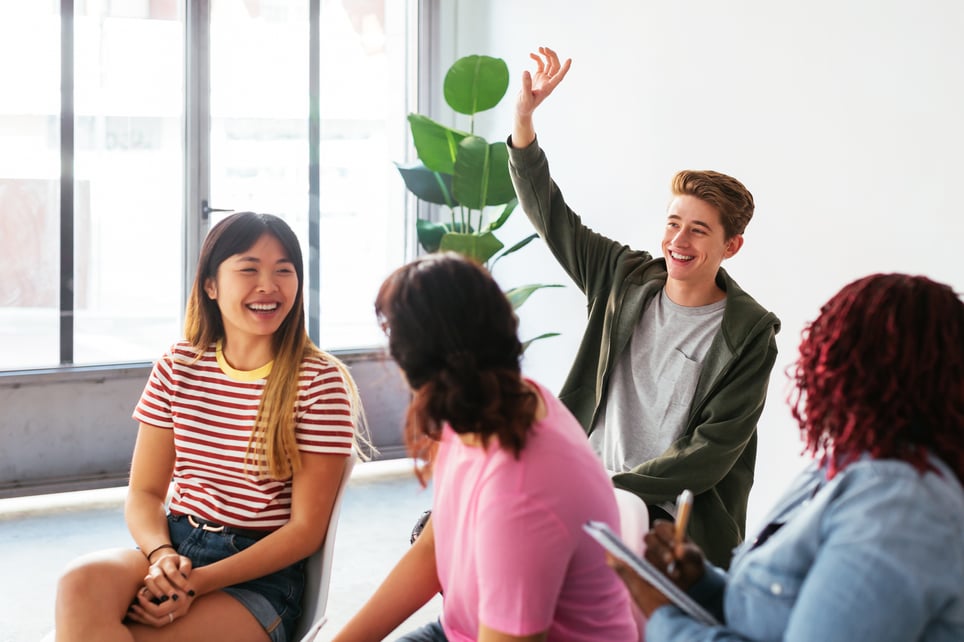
(867, 544)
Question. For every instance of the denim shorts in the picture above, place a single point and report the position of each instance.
(431, 632)
(275, 599)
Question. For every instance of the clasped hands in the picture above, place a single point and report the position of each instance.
(167, 593)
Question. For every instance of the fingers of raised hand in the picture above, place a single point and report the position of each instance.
(552, 60)
(550, 71)
(540, 65)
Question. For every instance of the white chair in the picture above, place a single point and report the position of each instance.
(633, 519)
(318, 570)
(633, 525)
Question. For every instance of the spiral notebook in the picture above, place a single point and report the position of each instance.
(601, 532)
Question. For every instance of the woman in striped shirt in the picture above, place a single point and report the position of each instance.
(245, 426)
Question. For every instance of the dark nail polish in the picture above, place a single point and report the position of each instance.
(174, 597)
(162, 599)
(191, 593)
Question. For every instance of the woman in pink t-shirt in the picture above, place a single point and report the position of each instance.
(514, 478)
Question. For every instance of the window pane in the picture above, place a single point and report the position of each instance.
(129, 199)
(364, 89)
(259, 139)
(29, 184)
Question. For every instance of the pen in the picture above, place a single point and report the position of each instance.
(684, 504)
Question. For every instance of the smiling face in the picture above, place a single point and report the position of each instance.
(255, 290)
(694, 245)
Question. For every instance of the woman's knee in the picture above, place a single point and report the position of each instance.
(96, 575)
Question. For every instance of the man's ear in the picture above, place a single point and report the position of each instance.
(732, 245)
(211, 288)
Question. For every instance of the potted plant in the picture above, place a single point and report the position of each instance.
(465, 174)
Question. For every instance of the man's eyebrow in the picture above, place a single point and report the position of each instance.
(677, 217)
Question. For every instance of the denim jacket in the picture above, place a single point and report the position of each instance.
(874, 554)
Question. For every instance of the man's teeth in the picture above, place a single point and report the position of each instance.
(680, 257)
(263, 307)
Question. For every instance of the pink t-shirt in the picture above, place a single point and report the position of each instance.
(509, 545)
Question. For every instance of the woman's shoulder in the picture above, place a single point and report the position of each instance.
(323, 373)
(869, 470)
(896, 490)
(184, 353)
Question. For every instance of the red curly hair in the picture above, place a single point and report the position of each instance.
(881, 371)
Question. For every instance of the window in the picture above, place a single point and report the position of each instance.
(99, 280)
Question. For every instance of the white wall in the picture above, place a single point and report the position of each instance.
(845, 120)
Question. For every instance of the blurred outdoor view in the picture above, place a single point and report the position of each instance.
(131, 157)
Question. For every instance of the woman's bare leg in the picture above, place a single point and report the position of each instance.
(213, 617)
(96, 590)
(93, 595)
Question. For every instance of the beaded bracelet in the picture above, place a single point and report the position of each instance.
(170, 546)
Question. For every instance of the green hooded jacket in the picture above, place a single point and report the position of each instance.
(716, 454)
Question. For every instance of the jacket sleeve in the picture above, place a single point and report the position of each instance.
(702, 457)
(589, 258)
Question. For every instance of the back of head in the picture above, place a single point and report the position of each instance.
(453, 333)
(881, 371)
(729, 196)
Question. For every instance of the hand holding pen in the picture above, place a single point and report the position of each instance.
(667, 548)
(684, 506)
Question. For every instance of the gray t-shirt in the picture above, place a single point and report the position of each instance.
(653, 381)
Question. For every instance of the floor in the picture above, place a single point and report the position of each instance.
(39, 535)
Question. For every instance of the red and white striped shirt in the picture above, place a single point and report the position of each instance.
(212, 407)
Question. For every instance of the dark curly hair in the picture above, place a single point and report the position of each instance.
(453, 333)
(881, 371)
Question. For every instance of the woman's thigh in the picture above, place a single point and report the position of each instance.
(107, 580)
(212, 618)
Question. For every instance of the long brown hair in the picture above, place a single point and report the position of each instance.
(453, 333)
(274, 432)
(881, 371)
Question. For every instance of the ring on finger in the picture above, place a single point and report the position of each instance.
(171, 616)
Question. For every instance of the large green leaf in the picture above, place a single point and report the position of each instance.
(475, 83)
(429, 234)
(504, 216)
(435, 143)
(480, 247)
(518, 296)
(426, 185)
(481, 173)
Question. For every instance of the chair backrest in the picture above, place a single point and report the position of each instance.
(318, 568)
(633, 519)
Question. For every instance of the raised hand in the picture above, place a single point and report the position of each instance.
(536, 88)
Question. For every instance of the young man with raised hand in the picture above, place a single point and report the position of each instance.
(671, 374)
